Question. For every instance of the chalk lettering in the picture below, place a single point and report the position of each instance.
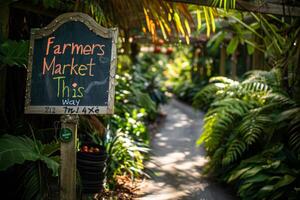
(56, 49)
(49, 42)
(87, 50)
(49, 110)
(71, 69)
(74, 48)
(65, 46)
(70, 102)
(46, 67)
(64, 91)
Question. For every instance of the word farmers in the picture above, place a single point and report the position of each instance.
(73, 48)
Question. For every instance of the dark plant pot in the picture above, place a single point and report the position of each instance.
(91, 167)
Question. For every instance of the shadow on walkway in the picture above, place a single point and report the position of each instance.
(177, 162)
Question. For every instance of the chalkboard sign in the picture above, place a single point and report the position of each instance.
(71, 67)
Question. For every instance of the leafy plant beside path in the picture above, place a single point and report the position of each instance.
(251, 134)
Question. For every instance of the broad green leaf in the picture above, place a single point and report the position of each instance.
(144, 100)
(250, 49)
(14, 53)
(246, 26)
(251, 172)
(16, 150)
(49, 149)
(51, 163)
(236, 174)
(287, 179)
(233, 44)
(257, 178)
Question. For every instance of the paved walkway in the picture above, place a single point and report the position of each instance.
(177, 162)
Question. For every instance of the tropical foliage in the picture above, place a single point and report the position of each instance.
(14, 53)
(38, 160)
(251, 134)
(126, 157)
(251, 130)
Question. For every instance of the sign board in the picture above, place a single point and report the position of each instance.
(71, 68)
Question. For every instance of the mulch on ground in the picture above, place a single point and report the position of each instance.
(125, 190)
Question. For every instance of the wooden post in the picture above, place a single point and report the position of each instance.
(68, 159)
(222, 60)
(258, 56)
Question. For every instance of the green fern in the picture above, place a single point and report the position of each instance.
(271, 78)
(253, 125)
(235, 149)
(244, 118)
(206, 96)
(223, 79)
(255, 87)
(278, 100)
(292, 117)
(219, 122)
(215, 90)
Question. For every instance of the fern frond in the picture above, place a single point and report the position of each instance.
(255, 87)
(219, 127)
(279, 99)
(234, 105)
(292, 117)
(235, 150)
(223, 79)
(271, 78)
(207, 95)
(220, 120)
(252, 127)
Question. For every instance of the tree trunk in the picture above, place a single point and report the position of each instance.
(222, 61)
(296, 86)
(258, 56)
(234, 66)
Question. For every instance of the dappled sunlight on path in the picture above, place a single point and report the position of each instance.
(176, 162)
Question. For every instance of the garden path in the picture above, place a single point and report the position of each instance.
(177, 162)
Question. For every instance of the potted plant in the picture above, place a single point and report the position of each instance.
(91, 155)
